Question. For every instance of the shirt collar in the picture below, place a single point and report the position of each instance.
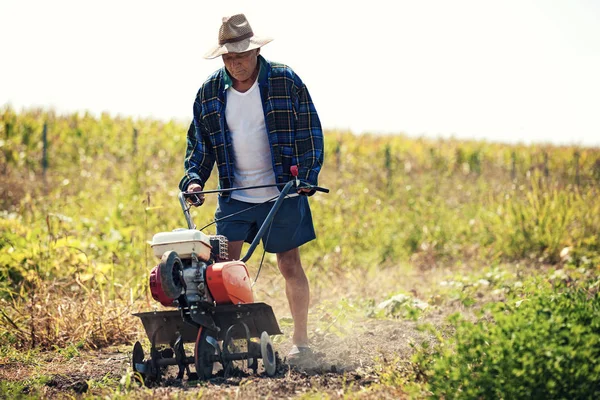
(227, 79)
(262, 73)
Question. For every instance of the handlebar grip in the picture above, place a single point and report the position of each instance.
(320, 189)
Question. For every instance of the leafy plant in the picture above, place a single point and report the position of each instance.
(545, 346)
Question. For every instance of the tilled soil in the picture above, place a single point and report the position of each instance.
(350, 353)
(342, 364)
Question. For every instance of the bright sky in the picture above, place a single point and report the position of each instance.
(511, 70)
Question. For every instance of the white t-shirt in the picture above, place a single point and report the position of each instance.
(251, 149)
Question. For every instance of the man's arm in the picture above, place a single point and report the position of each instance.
(309, 138)
(199, 155)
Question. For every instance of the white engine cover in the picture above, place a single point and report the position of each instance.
(184, 242)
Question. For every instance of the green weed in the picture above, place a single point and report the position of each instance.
(544, 346)
(25, 389)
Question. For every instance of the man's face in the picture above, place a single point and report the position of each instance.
(241, 65)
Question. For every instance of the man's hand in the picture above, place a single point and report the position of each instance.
(198, 199)
(304, 191)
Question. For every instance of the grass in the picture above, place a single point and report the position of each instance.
(455, 224)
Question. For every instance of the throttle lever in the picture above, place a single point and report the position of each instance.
(294, 171)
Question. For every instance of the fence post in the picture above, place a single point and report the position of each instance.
(513, 171)
(596, 170)
(338, 150)
(135, 137)
(45, 149)
(546, 170)
(388, 164)
(576, 156)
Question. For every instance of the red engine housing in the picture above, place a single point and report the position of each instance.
(156, 289)
(229, 283)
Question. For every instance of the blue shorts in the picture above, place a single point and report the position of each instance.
(291, 227)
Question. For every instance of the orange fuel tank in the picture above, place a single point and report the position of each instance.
(229, 283)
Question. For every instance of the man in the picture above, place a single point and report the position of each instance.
(256, 119)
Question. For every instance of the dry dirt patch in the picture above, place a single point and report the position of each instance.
(343, 363)
(349, 355)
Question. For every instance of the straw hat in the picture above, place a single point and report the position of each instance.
(236, 36)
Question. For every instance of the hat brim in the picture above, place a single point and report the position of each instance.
(251, 43)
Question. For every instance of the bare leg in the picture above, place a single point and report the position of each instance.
(297, 292)
(235, 249)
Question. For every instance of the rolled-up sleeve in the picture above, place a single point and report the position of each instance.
(308, 138)
(199, 155)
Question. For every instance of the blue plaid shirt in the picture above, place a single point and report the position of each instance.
(292, 123)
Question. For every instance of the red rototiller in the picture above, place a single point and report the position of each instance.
(212, 300)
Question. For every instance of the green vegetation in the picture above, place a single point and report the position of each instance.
(74, 259)
(25, 389)
(544, 346)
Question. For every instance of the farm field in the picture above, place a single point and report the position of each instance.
(442, 268)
